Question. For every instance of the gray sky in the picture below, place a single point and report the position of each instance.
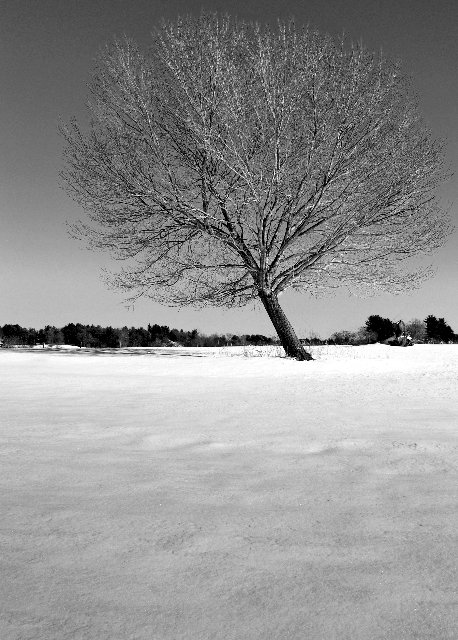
(47, 49)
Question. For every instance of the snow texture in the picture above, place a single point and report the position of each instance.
(186, 494)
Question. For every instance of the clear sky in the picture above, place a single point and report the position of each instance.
(47, 49)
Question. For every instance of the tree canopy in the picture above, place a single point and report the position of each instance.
(383, 328)
(233, 161)
(437, 330)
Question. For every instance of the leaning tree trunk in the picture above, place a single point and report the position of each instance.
(289, 340)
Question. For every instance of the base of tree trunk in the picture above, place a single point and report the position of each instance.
(288, 338)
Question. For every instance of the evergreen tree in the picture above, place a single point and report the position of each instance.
(382, 327)
(437, 330)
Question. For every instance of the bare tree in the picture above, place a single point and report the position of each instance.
(416, 329)
(234, 161)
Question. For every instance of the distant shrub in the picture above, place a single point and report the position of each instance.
(258, 340)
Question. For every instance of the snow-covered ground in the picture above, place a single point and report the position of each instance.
(195, 494)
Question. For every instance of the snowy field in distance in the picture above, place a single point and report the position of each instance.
(197, 494)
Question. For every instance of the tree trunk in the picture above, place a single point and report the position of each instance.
(289, 340)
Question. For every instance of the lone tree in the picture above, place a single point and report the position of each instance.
(233, 161)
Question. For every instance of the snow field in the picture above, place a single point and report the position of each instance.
(186, 494)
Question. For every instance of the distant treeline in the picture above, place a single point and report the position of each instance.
(98, 337)
(376, 329)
